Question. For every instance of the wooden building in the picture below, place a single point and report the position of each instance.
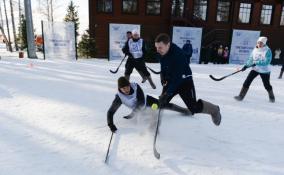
(218, 18)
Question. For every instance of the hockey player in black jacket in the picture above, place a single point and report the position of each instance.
(132, 96)
(176, 78)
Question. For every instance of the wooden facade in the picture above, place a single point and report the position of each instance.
(214, 30)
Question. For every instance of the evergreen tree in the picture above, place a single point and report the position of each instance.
(22, 37)
(72, 16)
(87, 46)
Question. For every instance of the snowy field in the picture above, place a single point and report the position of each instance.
(53, 122)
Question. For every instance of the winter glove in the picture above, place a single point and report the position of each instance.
(163, 100)
(164, 82)
(112, 127)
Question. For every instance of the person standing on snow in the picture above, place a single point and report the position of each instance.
(129, 36)
(187, 48)
(259, 60)
(176, 78)
(132, 96)
(135, 49)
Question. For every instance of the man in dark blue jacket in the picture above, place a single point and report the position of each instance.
(187, 48)
(176, 78)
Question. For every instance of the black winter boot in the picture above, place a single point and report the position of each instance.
(271, 96)
(213, 110)
(242, 94)
(151, 82)
(281, 73)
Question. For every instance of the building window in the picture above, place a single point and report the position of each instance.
(244, 13)
(266, 14)
(223, 11)
(200, 9)
(129, 6)
(282, 17)
(153, 7)
(104, 6)
(178, 8)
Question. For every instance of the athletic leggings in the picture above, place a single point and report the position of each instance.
(265, 77)
(186, 91)
(138, 64)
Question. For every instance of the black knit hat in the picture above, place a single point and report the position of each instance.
(122, 82)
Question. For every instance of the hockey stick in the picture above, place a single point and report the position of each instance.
(152, 70)
(156, 153)
(106, 159)
(219, 79)
(241, 70)
(115, 71)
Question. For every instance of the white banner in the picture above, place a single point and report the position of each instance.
(181, 34)
(243, 42)
(117, 39)
(59, 40)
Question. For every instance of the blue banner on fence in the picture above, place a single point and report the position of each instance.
(243, 42)
(194, 34)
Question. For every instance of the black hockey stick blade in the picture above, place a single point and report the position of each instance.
(219, 79)
(216, 79)
(114, 72)
(152, 70)
(156, 154)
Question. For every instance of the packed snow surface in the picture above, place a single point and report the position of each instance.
(53, 122)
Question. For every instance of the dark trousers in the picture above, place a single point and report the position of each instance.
(282, 69)
(186, 91)
(265, 77)
(138, 64)
(151, 100)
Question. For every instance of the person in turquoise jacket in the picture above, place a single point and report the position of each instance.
(259, 60)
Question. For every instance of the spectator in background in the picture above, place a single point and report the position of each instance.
(276, 59)
(187, 48)
(225, 55)
(220, 54)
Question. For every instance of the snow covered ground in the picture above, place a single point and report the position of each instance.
(53, 122)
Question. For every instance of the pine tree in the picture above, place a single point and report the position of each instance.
(87, 46)
(22, 37)
(72, 16)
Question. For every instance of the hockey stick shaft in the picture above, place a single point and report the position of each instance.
(219, 79)
(241, 70)
(152, 70)
(156, 153)
(106, 159)
(115, 71)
